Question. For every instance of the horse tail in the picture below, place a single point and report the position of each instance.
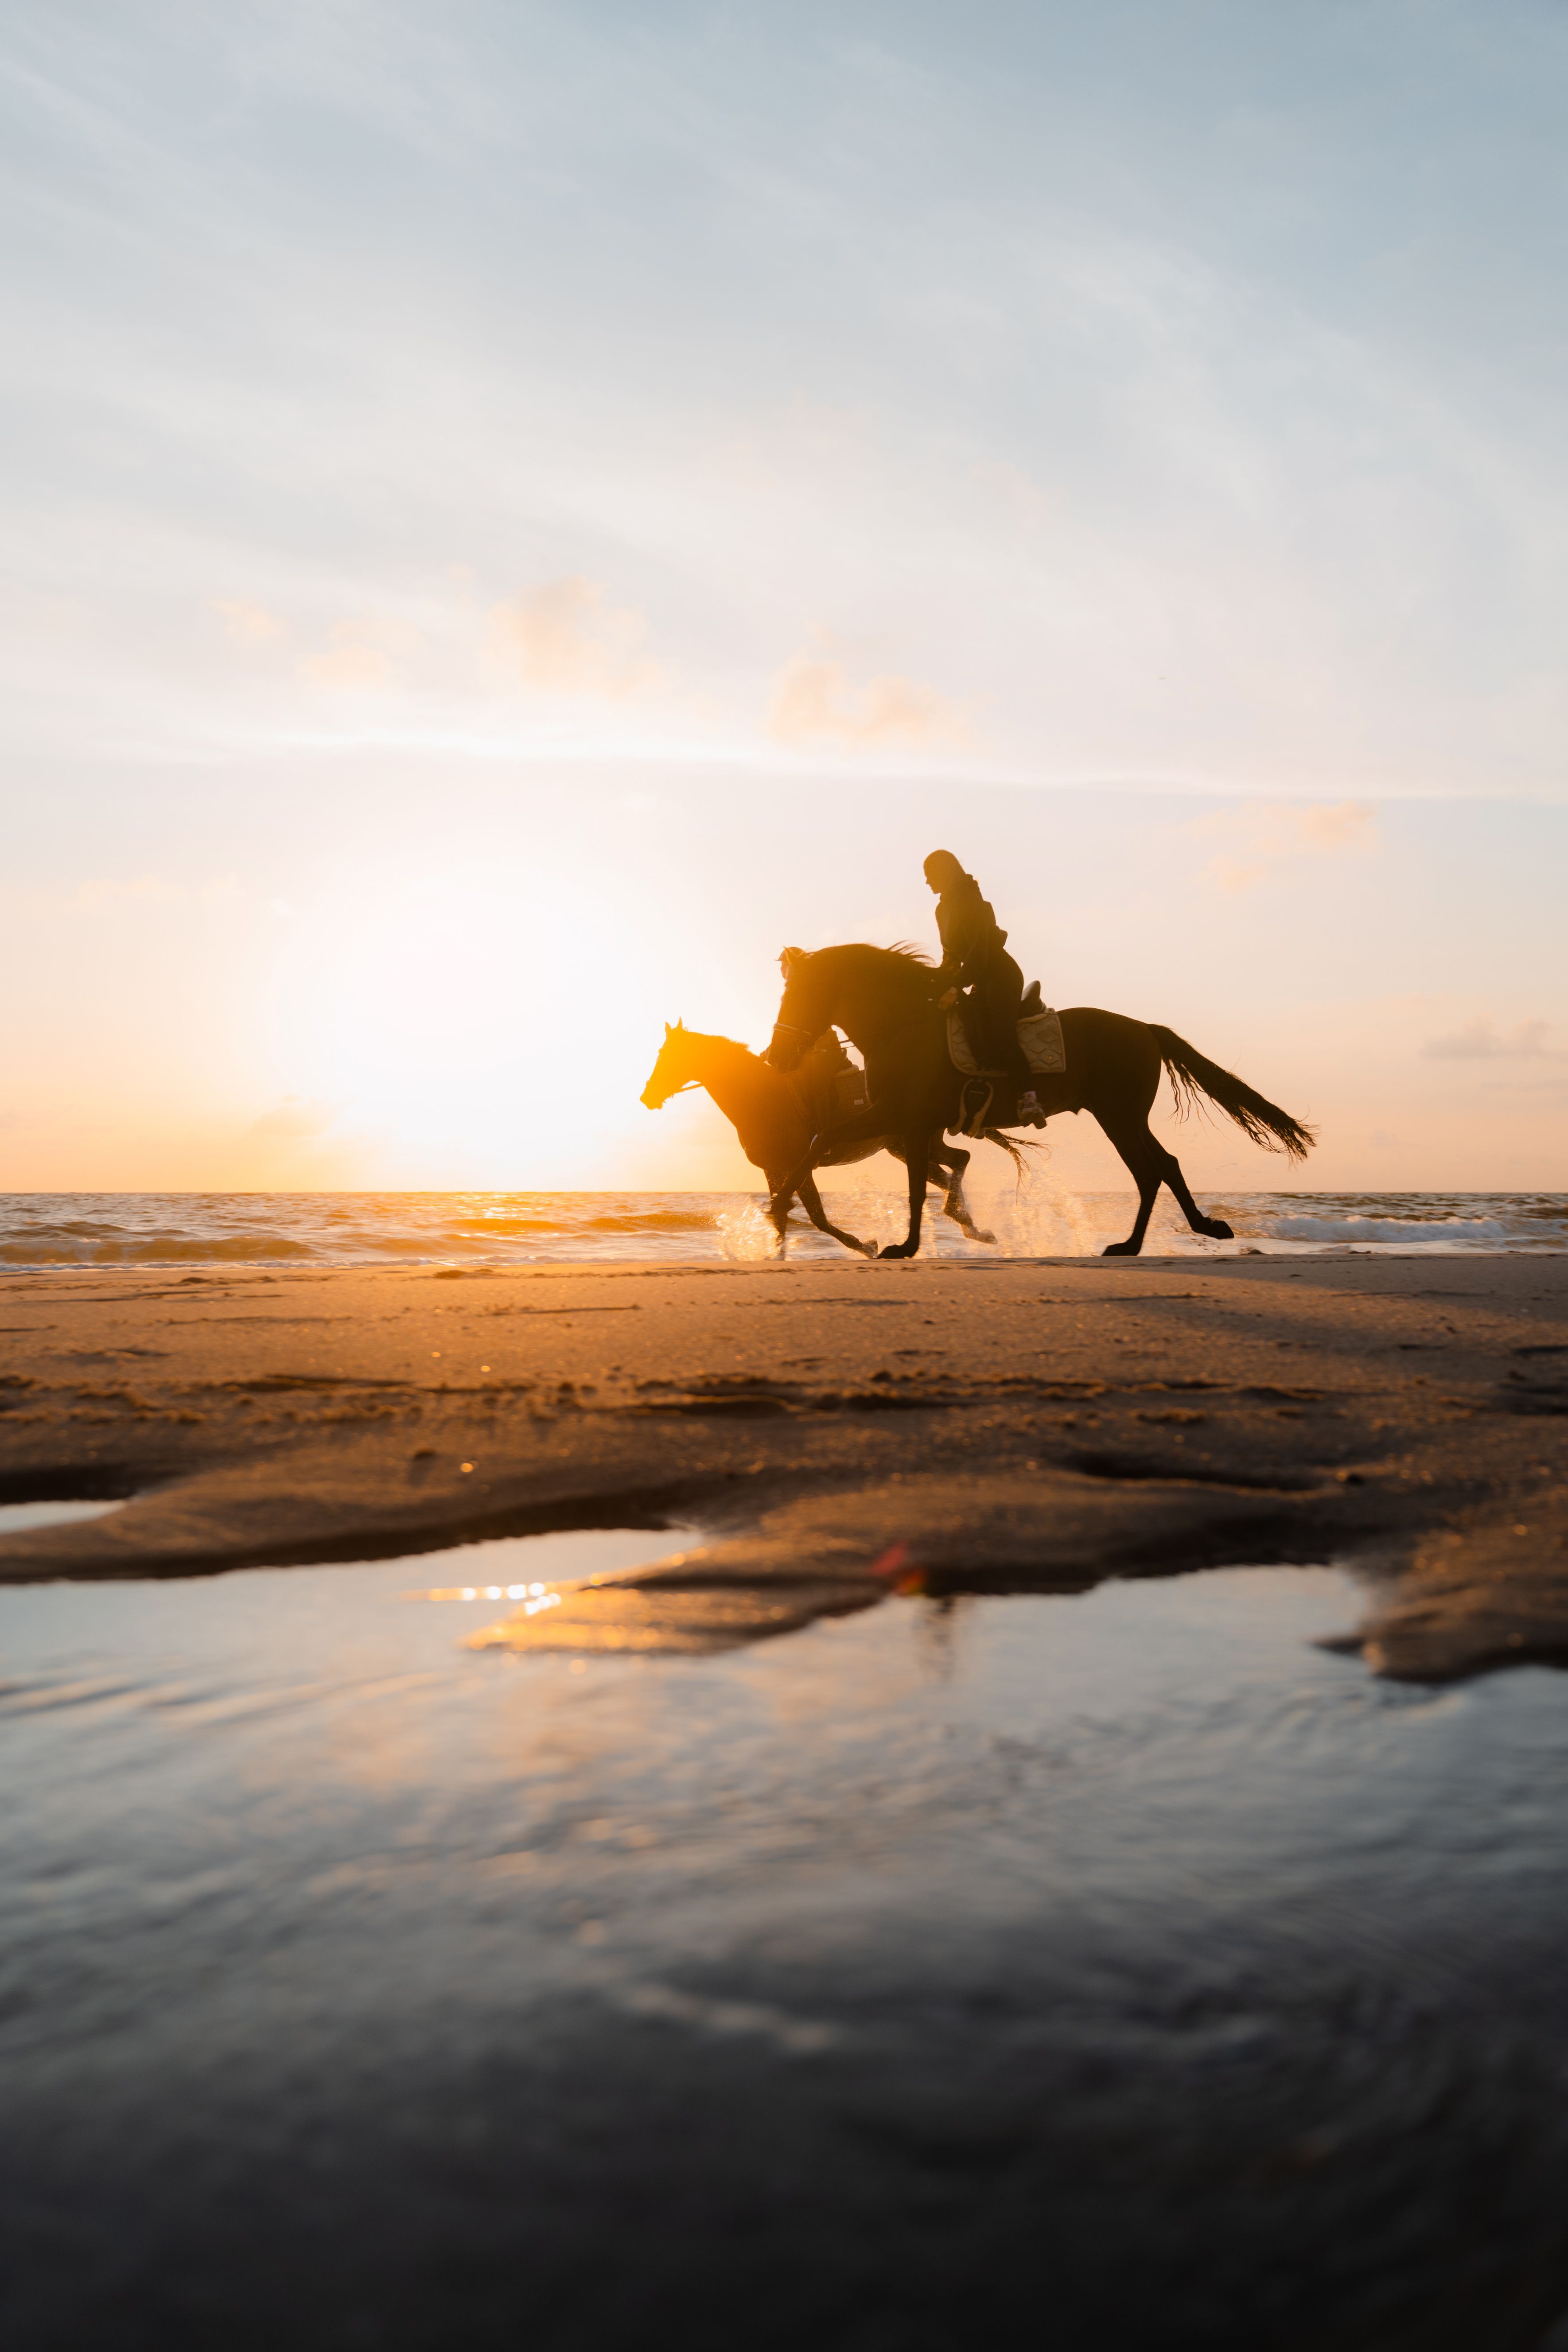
(1014, 1149)
(1193, 1075)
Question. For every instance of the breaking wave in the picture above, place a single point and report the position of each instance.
(1040, 1218)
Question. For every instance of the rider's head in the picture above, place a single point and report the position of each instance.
(942, 870)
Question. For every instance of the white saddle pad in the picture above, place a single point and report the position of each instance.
(1040, 1036)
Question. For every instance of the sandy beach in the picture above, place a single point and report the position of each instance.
(836, 1432)
(454, 1930)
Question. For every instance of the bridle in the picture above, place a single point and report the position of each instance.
(787, 1029)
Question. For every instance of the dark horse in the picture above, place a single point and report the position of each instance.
(778, 1119)
(881, 998)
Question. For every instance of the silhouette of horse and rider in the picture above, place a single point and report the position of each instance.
(960, 1047)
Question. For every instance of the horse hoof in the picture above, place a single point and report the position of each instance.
(989, 1239)
(1119, 1249)
(1218, 1230)
(897, 1249)
(869, 1249)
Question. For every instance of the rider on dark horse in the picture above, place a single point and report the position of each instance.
(975, 956)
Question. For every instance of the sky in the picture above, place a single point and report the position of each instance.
(511, 513)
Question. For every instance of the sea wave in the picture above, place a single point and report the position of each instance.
(1041, 1218)
(1425, 1232)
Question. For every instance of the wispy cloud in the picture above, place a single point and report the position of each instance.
(567, 637)
(362, 655)
(813, 701)
(1482, 1041)
(1267, 835)
(248, 624)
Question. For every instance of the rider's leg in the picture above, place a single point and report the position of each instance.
(1004, 993)
(1002, 996)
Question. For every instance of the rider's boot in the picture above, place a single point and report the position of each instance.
(1029, 1111)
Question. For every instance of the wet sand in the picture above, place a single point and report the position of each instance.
(579, 1966)
(837, 1430)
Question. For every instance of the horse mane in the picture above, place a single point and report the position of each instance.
(903, 958)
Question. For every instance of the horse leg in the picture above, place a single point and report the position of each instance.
(865, 1127)
(811, 1202)
(915, 1154)
(780, 1200)
(947, 1167)
(936, 1169)
(1216, 1227)
(1144, 1160)
(782, 1190)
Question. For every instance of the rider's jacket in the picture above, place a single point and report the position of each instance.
(969, 932)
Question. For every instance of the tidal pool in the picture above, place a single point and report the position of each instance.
(16, 1517)
(1121, 1967)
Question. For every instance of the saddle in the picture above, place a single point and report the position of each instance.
(1039, 1040)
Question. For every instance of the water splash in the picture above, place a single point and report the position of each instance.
(175, 1232)
(746, 1233)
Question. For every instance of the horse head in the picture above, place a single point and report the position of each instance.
(792, 1035)
(672, 1071)
(862, 990)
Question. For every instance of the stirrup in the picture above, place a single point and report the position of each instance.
(974, 1106)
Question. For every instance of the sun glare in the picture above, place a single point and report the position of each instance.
(460, 1018)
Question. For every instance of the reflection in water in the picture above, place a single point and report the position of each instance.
(1126, 1940)
(17, 1516)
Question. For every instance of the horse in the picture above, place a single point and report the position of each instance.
(780, 1126)
(882, 999)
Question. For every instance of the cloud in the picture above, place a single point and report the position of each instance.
(245, 624)
(812, 700)
(568, 638)
(349, 661)
(293, 1121)
(1482, 1041)
(1268, 833)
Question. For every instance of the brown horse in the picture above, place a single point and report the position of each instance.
(882, 999)
(778, 1119)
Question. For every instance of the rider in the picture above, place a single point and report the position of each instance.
(974, 955)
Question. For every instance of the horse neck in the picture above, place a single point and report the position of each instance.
(868, 996)
(732, 1074)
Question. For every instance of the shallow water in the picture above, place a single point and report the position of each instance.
(1042, 1219)
(1123, 1960)
(16, 1517)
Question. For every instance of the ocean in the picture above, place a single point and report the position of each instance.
(49, 1231)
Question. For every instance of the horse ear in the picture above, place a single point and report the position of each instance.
(680, 1023)
(667, 1028)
